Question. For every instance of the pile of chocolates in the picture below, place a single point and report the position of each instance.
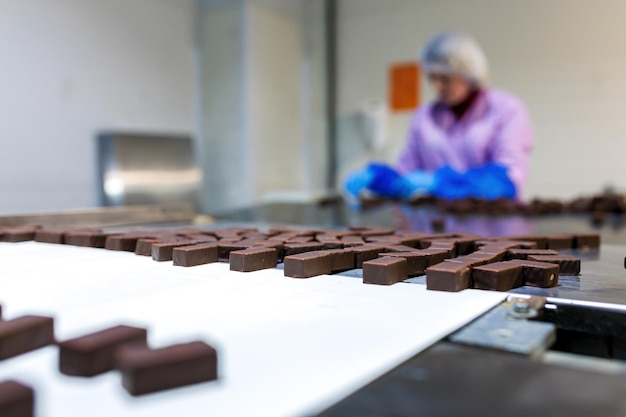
(598, 206)
(450, 261)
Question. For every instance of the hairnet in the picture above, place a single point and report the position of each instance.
(455, 53)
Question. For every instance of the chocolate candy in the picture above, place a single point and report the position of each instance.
(86, 238)
(340, 259)
(559, 242)
(539, 274)
(143, 247)
(448, 276)
(126, 242)
(489, 254)
(16, 399)
(329, 241)
(50, 236)
(253, 259)
(24, 334)
(416, 261)
(568, 265)
(94, 353)
(164, 251)
(499, 276)
(192, 255)
(523, 253)
(295, 248)
(308, 264)
(224, 248)
(586, 241)
(435, 255)
(18, 234)
(93, 238)
(147, 370)
(366, 252)
(386, 270)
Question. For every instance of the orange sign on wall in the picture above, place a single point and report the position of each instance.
(404, 87)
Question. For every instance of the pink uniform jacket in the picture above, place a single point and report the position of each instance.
(495, 129)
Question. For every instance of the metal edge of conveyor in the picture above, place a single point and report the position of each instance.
(169, 213)
(527, 325)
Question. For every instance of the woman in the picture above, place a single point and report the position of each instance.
(471, 141)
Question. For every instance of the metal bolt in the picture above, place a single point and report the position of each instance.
(521, 307)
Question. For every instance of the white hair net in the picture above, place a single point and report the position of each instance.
(455, 53)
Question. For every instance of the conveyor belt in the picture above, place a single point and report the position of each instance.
(287, 347)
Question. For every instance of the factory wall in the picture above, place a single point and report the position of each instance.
(564, 58)
(261, 119)
(71, 68)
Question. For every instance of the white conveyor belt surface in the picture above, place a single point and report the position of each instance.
(287, 347)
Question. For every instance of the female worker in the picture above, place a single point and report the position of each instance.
(472, 141)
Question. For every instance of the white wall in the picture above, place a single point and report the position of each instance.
(73, 67)
(565, 58)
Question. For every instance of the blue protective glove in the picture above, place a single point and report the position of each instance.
(489, 181)
(386, 182)
(421, 181)
(357, 182)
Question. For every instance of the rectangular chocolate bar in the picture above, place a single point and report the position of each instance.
(448, 276)
(568, 265)
(307, 265)
(164, 251)
(499, 276)
(366, 252)
(491, 254)
(143, 247)
(329, 241)
(539, 274)
(50, 236)
(24, 334)
(558, 242)
(18, 234)
(224, 249)
(295, 248)
(86, 238)
(94, 353)
(147, 370)
(126, 242)
(16, 400)
(340, 259)
(192, 255)
(416, 261)
(386, 270)
(435, 255)
(253, 259)
(586, 240)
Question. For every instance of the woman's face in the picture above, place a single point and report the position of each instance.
(451, 89)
